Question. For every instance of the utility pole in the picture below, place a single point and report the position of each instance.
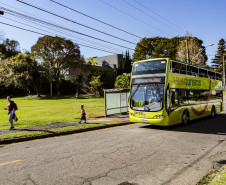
(188, 60)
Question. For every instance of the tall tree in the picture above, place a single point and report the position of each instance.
(26, 72)
(56, 54)
(155, 47)
(96, 85)
(5, 72)
(123, 81)
(218, 59)
(91, 61)
(190, 50)
(176, 48)
(9, 48)
(127, 65)
(21, 71)
(121, 65)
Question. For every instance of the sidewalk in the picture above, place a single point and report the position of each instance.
(123, 119)
(60, 125)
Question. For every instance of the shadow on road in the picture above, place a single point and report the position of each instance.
(207, 125)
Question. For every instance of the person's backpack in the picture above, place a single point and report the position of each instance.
(14, 105)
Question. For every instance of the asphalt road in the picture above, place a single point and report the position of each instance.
(133, 154)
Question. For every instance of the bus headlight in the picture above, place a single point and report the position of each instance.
(158, 116)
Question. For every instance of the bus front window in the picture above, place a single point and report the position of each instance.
(138, 97)
(147, 67)
(147, 97)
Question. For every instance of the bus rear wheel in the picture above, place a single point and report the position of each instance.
(185, 118)
(213, 112)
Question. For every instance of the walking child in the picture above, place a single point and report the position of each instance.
(83, 114)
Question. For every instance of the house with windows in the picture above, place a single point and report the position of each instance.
(111, 61)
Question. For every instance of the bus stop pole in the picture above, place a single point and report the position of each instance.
(105, 103)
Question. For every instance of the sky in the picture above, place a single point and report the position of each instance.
(113, 26)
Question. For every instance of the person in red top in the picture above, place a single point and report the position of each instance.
(83, 114)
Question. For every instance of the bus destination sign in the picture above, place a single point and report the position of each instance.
(147, 80)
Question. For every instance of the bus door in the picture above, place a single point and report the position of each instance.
(175, 109)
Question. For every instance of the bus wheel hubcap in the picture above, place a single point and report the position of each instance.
(212, 112)
(185, 118)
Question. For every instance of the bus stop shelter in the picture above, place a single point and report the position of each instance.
(116, 101)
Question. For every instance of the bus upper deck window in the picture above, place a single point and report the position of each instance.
(178, 68)
(211, 75)
(203, 73)
(218, 76)
(193, 71)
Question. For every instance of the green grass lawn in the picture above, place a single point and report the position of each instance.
(33, 111)
(221, 178)
(215, 177)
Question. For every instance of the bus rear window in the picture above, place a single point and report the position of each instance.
(149, 67)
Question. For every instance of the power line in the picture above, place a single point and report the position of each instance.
(45, 35)
(74, 22)
(150, 16)
(158, 15)
(17, 14)
(101, 45)
(95, 19)
(59, 32)
(134, 17)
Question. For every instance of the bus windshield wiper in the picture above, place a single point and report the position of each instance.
(135, 91)
(158, 91)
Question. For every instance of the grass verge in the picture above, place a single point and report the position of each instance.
(220, 178)
(34, 111)
(53, 131)
(215, 177)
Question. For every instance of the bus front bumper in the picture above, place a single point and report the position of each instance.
(159, 121)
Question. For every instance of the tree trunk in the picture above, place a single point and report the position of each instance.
(51, 88)
(58, 87)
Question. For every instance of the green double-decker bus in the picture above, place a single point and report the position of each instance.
(166, 92)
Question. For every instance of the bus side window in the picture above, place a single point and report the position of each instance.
(175, 98)
(203, 73)
(198, 93)
(183, 97)
(218, 76)
(178, 68)
(192, 71)
(211, 74)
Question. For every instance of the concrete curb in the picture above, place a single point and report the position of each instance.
(29, 138)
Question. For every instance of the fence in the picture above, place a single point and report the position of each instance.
(116, 101)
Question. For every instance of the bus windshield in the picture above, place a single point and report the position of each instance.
(149, 67)
(147, 97)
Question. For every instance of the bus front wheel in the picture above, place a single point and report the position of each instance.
(185, 117)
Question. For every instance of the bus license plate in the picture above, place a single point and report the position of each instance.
(144, 120)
